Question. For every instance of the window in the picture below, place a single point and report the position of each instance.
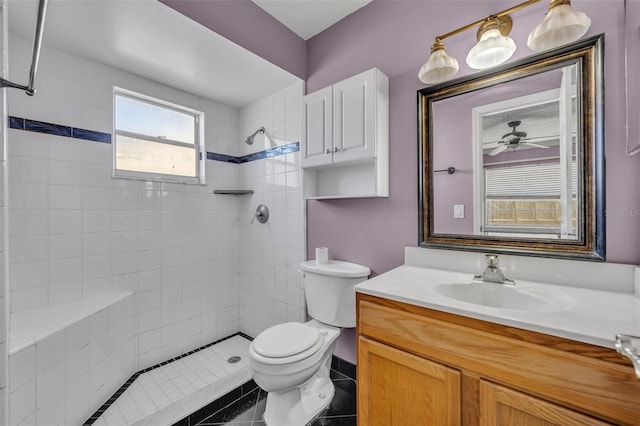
(529, 197)
(156, 140)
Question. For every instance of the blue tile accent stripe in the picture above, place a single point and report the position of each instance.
(90, 135)
(222, 157)
(48, 128)
(273, 152)
(16, 123)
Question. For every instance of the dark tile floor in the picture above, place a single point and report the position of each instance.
(247, 409)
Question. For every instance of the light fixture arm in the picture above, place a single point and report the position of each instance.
(481, 21)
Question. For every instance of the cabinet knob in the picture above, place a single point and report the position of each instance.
(327, 151)
(336, 149)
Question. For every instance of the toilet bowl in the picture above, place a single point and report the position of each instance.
(298, 383)
(292, 361)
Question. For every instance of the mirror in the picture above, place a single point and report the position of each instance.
(512, 159)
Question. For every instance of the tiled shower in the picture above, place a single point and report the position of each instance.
(187, 265)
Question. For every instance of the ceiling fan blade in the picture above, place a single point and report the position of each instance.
(534, 144)
(490, 145)
(498, 150)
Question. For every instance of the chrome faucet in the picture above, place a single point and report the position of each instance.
(492, 272)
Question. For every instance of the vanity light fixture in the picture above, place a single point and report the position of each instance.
(494, 45)
(561, 25)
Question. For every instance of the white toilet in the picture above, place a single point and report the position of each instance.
(292, 361)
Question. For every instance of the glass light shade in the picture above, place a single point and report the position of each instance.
(492, 49)
(562, 25)
(439, 67)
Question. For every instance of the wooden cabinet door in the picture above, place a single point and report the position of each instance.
(354, 117)
(396, 388)
(317, 128)
(501, 406)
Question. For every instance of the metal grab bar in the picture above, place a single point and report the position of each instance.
(37, 42)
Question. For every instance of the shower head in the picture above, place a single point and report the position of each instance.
(249, 139)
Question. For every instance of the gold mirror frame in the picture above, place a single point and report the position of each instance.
(590, 245)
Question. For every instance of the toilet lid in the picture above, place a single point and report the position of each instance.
(286, 339)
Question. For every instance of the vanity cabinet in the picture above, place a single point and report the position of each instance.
(404, 389)
(345, 138)
(421, 366)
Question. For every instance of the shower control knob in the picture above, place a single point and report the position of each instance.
(262, 214)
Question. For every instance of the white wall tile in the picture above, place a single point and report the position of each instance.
(50, 351)
(28, 196)
(28, 275)
(48, 384)
(65, 270)
(28, 144)
(65, 221)
(66, 149)
(63, 246)
(65, 292)
(22, 365)
(77, 336)
(65, 172)
(65, 197)
(32, 298)
(22, 403)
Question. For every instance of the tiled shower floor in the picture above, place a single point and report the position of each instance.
(172, 391)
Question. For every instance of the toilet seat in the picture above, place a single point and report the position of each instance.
(286, 343)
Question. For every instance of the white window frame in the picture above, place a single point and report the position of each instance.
(198, 144)
(479, 220)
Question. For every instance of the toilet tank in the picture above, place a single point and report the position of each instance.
(329, 290)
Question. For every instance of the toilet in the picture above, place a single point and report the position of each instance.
(292, 361)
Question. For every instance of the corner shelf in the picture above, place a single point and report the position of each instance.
(233, 191)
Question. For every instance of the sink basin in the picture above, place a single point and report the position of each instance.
(500, 296)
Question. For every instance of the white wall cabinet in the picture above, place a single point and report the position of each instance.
(345, 138)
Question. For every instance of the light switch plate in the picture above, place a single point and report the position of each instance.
(458, 211)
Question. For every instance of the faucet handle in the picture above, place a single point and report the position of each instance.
(492, 260)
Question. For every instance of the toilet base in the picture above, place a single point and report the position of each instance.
(298, 406)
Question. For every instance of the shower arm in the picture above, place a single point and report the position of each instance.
(260, 130)
(37, 43)
(249, 139)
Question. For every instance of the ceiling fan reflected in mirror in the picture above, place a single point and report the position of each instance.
(514, 139)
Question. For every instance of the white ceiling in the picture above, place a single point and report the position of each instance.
(309, 17)
(149, 39)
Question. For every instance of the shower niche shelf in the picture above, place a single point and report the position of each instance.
(233, 191)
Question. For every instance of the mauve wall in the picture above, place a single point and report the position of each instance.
(454, 133)
(246, 24)
(395, 37)
(455, 149)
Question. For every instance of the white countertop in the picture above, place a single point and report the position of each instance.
(590, 316)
